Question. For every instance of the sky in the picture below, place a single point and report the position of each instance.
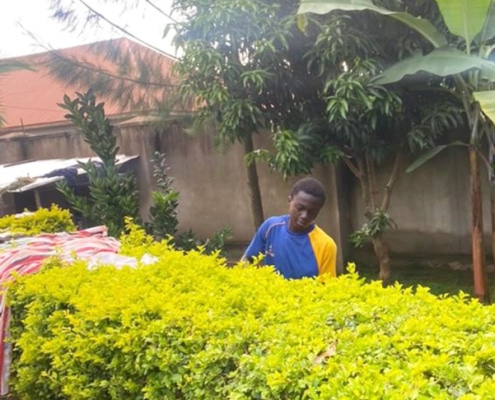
(19, 16)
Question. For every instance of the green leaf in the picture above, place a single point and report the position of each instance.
(302, 22)
(464, 18)
(487, 103)
(441, 62)
(422, 26)
(422, 159)
(488, 31)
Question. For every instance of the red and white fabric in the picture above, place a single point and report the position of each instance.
(27, 256)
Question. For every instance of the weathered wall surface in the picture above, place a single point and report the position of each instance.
(431, 206)
(213, 183)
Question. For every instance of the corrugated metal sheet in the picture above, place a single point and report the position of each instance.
(35, 171)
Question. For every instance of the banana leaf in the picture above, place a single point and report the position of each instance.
(422, 26)
(440, 62)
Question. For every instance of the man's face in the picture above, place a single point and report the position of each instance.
(303, 210)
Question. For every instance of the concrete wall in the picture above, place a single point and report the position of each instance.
(213, 183)
(431, 206)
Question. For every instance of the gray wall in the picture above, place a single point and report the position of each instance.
(213, 183)
(430, 206)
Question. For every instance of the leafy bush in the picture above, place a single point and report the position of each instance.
(112, 193)
(163, 214)
(187, 327)
(43, 220)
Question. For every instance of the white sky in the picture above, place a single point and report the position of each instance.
(146, 23)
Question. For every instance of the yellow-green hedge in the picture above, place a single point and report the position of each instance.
(44, 220)
(190, 328)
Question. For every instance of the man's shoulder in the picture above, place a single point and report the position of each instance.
(277, 219)
(273, 222)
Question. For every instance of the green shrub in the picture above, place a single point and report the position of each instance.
(43, 220)
(113, 193)
(163, 214)
(187, 327)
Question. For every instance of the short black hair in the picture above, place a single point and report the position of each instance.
(310, 186)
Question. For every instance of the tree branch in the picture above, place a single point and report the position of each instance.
(370, 179)
(353, 168)
(387, 192)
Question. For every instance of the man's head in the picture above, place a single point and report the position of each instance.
(306, 199)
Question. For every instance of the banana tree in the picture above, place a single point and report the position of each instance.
(463, 61)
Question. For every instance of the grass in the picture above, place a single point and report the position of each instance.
(440, 280)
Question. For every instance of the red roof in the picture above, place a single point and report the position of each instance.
(31, 97)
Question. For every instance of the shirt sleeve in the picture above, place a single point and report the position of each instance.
(329, 260)
(258, 243)
(325, 251)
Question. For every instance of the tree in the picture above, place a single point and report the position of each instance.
(349, 118)
(242, 66)
(456, 63)
(234, 66)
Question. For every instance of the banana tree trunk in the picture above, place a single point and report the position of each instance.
(492, 210)
(254, 185)
(381, 248)
(479, 274)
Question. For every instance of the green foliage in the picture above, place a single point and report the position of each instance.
(353, 118)
(187, 327)
(163, 212)
(189, 241)
(376, 225)
(42, 220)
(242, 63)
(424, 26)
(112, 194)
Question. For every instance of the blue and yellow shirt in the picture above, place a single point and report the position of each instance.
(294, 254)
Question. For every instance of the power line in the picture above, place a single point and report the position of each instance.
(118, 27)
(162, 12)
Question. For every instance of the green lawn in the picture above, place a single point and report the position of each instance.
(440, 280)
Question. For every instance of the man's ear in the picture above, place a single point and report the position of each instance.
(289, 199)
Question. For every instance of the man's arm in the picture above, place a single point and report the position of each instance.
(329, 263)
(257, 245)
(325, 251)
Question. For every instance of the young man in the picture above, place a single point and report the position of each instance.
(292, 243)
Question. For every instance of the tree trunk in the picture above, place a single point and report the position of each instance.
(492, 210)
(254, 185)
(381, 249)
(479, 275)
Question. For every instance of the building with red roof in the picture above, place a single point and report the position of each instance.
(129, 78)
